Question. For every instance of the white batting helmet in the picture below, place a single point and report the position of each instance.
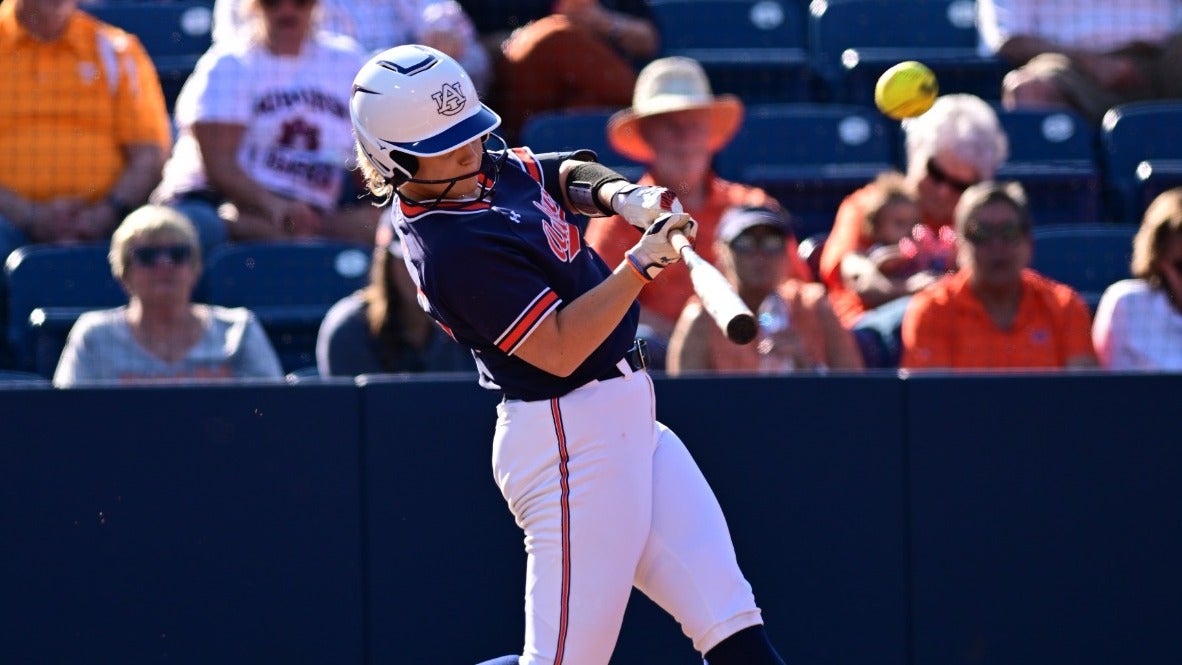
(414, 101)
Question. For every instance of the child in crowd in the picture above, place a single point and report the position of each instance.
(901, 248)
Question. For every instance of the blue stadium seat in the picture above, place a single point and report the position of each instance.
(1053, 154)
(756, 49)
(1141, 151)
(49, 287)
(288, 285)
(570, 130)
(1087, 257)
(853, 41)
(175, 34)
(809, 156)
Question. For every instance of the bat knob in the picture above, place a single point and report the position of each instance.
(741, 329)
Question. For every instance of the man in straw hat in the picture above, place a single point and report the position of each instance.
(675, 126)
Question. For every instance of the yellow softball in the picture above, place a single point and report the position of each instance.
(906, 90)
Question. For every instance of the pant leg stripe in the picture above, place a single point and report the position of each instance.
(564, 479)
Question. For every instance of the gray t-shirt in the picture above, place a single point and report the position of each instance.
(102, 349)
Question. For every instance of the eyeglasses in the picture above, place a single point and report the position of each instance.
(271, 4)
(1009, 233)
(939, 175)
(150, 255)
(746, 244)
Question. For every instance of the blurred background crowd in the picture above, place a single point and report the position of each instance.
(178, 200)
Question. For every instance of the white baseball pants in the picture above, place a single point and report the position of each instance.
(609, 499)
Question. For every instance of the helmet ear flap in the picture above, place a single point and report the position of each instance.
(407, 165)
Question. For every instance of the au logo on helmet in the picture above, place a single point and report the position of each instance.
(450, 99)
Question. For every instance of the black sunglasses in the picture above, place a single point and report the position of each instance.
(150, 255)
(768, 244)
(940, 175)
(1009, 233)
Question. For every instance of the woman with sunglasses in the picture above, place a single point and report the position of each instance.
(1138, 323)
(161, 335)
(956, 143)
(263, 138)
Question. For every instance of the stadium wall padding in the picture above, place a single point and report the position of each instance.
(919, 521)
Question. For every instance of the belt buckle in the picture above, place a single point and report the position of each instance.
(639, 354)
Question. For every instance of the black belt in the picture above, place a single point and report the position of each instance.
(636, 357)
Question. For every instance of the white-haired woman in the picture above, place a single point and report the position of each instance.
(263, 126)
(954, 145)
(161, 334)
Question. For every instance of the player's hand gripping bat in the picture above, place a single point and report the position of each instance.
(717, 295)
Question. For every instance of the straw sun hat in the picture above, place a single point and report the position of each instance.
(667, 85)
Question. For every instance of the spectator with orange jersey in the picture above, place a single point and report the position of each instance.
(995, 312)
(83, 127)
(676, 125)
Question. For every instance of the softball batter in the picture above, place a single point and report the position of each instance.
(608, 497)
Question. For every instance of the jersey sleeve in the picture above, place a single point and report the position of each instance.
(220, 80)
(141, 116)
(1110, 330)
(79, 362)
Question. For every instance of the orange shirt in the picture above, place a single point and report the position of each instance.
(71, 105)
(612, 237)
(821, 340)
(946, 326)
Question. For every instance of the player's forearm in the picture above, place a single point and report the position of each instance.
(564, 340)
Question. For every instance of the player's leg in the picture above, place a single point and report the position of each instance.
(689, 566)
(576, 474)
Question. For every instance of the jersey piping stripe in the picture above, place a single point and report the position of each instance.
(411, 210)
(537, 310)
(528, 161)
(564, 503)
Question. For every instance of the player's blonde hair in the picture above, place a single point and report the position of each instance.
(961, 124)
(375, 182)
(1161, 221)
(151, 222)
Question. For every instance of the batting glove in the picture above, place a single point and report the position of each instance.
(654, 251)
(642, 205)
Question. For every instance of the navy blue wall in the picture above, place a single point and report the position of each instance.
(912, 522)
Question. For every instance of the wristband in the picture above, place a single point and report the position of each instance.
(583, 185)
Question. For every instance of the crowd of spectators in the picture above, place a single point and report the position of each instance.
(929, 268)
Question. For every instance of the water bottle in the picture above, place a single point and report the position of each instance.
(773, 319)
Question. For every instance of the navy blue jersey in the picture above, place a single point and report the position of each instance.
(490, 271)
